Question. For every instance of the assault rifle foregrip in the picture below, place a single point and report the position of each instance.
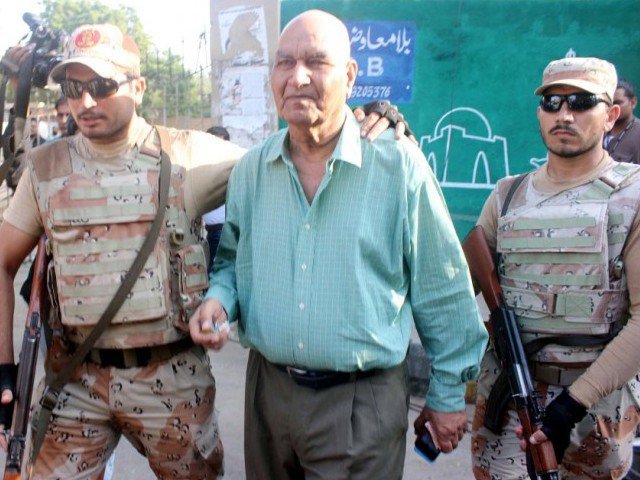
(508, 345)
(27, 367)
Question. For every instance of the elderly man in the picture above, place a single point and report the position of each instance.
(567, 236)
(332, 248)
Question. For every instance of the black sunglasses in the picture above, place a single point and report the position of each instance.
(98, 87)
(577, 102)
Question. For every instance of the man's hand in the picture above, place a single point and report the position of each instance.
(11, 61)
(448, 427)
(8, 373)
(561, 415)
(208, 325)
(376, 117)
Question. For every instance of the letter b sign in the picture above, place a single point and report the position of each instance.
(374, 67)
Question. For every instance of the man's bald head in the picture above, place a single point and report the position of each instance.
(313, 73)
(324, 25)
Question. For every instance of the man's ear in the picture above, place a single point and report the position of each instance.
(612, 115)
(138, 87)
(352, 74)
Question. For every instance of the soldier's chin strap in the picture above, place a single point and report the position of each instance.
(54, 384)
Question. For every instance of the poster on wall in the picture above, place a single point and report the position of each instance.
(244, 41)
(243, 36)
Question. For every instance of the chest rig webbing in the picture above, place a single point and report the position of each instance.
(561, 263)
(96, 216)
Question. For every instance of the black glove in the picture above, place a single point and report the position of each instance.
(386, 109)
(8, 374)
(560, 416)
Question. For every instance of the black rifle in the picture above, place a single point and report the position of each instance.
(541, 458)
(27, 366)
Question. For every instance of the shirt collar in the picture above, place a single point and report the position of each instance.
(348, 148)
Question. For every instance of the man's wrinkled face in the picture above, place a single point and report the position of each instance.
(626, 105)
(312, 76)
(107, 119)
(567, 133)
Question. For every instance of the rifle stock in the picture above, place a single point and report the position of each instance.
(27, 367)
(508, 345)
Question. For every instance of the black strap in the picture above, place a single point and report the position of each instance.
(512, 190)
(53, 385)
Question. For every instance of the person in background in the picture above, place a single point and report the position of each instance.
(332, 248)
(63, 113)
(214, 219)
(567, 236)
(623, 140)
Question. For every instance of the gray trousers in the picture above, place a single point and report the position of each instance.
(355, 430)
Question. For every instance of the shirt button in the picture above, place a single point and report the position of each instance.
(307, 227)
(301, 306)
(301, 345)
(304, 267)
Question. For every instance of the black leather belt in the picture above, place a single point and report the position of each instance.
(137, 357)
(320, 379)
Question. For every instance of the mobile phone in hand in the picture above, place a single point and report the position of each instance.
(425, 445)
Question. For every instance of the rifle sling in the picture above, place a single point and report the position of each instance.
(54, 385)
(512, 190)
(500, 394)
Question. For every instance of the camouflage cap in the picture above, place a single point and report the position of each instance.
(587, 73)
(102, 48)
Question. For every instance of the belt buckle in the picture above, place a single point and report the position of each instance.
(293, 371)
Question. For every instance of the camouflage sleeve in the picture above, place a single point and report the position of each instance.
(619, 361)
(23, 212)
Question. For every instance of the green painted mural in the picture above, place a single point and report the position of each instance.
(467, 89)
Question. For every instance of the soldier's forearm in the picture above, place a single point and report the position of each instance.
(6, 316)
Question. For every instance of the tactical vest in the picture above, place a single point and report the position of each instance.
(561, 261)
(96, 215)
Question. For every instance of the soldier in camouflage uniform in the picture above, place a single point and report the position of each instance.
(95, 196)
(569, 256)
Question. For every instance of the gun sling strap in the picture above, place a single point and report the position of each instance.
(499, 396)
(54, 385)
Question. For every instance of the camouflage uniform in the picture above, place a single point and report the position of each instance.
(96, 215)
(561, 270)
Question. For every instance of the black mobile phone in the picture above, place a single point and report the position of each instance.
(426, 447)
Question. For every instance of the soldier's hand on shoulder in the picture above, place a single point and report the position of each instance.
(209, 325)
(377, 116)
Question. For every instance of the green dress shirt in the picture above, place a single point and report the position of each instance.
(336, 284)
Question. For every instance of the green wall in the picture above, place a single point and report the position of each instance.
(477, 63)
